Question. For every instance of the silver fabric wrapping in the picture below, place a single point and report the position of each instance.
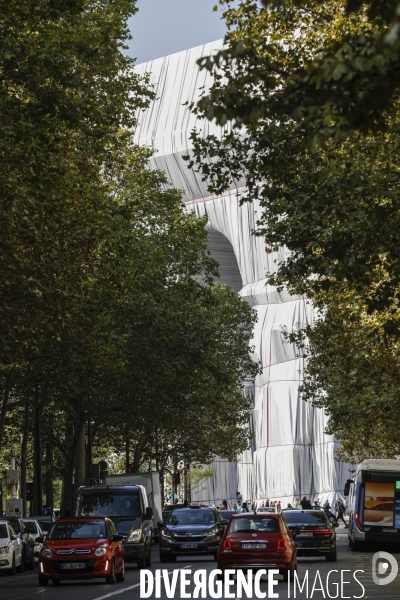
(291, 456)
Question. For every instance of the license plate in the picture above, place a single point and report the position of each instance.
(389, 530)
(67, 566)
(254, 545)
(303, 534)
(189, 546)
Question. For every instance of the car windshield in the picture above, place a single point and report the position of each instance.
(188, 516)
(77, 531)
(306, 518)
(254, 524)
(30, 527)
(3, 531)
(103, 504)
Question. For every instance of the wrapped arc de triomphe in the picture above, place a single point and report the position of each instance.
(291, 455)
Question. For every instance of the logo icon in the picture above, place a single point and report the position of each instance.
(380, 565)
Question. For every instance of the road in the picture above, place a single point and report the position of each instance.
(26, 586)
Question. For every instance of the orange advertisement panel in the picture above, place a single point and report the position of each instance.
(379, 503)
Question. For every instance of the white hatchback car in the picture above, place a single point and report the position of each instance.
(11, 552)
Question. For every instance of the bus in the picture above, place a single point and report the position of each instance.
(373, 504)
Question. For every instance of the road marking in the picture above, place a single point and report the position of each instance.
(29, 595)
(131, 587)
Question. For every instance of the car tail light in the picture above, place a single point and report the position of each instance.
(323, 531)
(281, 545)
(227, 545)
(358, 522)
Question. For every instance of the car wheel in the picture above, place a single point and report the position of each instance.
(21, 567)
(56, 582)
(332, 556)
(354, 546)
(111, 578)
(43, 581)
(121, 575)
(148, 558)
(13, 569)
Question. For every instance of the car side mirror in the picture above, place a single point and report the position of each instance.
(160, 524)
(39, 540)
(117, 537)
(149, 513)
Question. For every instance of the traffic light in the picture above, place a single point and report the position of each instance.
(132, 468)
(176, 477)
(29, 491)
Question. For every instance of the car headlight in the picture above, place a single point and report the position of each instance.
(166, 533)
(135, 535)
(100, 551)
(47, 553)
(211, 532)
(4, 550)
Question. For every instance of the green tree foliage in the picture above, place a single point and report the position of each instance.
(338, 82)
(108, 312)
(353, 374)
(311, 92)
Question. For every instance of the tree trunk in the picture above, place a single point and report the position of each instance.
(162, 494)
(49, 475)
(80, 450)
(67, 508)
(37, 460)
(4, 407)
(24, 446)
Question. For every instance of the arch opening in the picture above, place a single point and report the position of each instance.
(221, 249)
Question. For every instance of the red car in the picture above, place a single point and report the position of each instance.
(258, 541)
(81, 548)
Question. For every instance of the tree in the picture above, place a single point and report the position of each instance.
(353, 374)
(347, 82)
(335, 209)
(295, 81)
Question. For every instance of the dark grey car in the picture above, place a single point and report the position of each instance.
(313, 534)
(191, 531)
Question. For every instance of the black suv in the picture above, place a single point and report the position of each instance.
(27, 540)
(313, 534)
(192, 530)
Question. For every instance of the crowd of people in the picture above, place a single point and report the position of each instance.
(334, 514)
